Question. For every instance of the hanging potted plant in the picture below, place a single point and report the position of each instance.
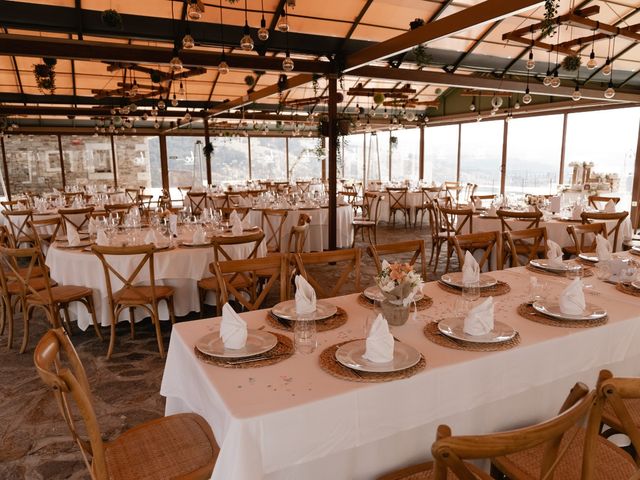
(571, 63)
(45, 75)
(207, 150)
(111, 18)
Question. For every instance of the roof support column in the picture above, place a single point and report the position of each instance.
(164, 163)
(207, 151)
(421, 164)
(333, 160)
(5, 168)
(635, 192)
(64, 180)
(503, 166)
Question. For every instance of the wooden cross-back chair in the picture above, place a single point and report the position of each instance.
(44, 232)
(351, 198)
(180, 446)
(369, 221)
(452, 190)
(196, 201)
(343, 262)
(234, 199)
(120, 209)
(584, 237)
(18, 223)
(451, 222)
(530, 244)
(258, 276)
(488, 242)
(23, 274)
(507, 217)
(135, 288)
(77, 217)
(298, 234)
(132, 194)
(272, 224)
(398, 203)
(303, 187)
(423, 206)
(614, 231)
(15, 204)
(413, 247)
(249, 243)
(468, 191)
(184, 190)
(69, 197)
(482, 198)
(241, 211)
(599, 201)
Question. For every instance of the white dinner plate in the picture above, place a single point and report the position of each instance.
(589, 257)
(350, 355)
(258, 341)
(543, 264)
(635, 249)
(374, 294)
(636, 285)
(455, 280)
(65, 244)
(191, 244)
(454, 328)
(287, 310)
(552, 309)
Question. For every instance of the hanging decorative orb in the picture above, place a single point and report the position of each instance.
(577, 94)
(175, 64)
(223, 68)
(555, 82)
(125, 110)
(496, 102)
(246, 42)
(161, 105)
(263, 33)
(287, 64)
(472, 107)
(193, 12)
(188, 42)
(526, 98)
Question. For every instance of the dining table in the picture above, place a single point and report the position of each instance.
(293, 419)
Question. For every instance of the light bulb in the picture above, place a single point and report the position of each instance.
(493, 113)
(577, 94)
(154, 112)
(516, 106)
(112, 128)
(174, 101)
(411, 116)
(144, 116)
(113, 111)
(472, 107)
(175, 64)
(530, 62)
(283, 26)
(478, 117)
(161, 105)
(591, 63)
(526, 98)
(156, 125)
(555, 83)
(609, 92)
(547, 79)
(133, 107)
(125, 110)
(187, 116)
(607, 67)
(223, 68)
(263, 33)
(287, 63)
(496, 102)
(246, 42)
(188, 42)
(193, 12)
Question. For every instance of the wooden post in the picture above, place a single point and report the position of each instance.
(333, 161)
(164, 163)
(207, 140)
(635, 190)
(249, 157)
(5, 167)
(286, 156)
(421, 164)
(562, 149)
(114, 162)
(458, 156)
(64, 179)
(503, 166)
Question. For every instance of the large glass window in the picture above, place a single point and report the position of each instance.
(87, 160)
(181, 157)
(440, 154)
(481, 155)
(533, 155)
(268, 158)
(352, 151)
(230, 159)
(305, 158)
(405, 154)
(34, 163)
(377, 152)
(133, 156)
(601, 150)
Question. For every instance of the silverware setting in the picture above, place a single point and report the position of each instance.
(255, 359)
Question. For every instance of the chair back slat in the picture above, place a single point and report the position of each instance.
(197, 202)
(509, 216)
(530, 243)
(18, 220)
(488, 242)
(348, 258)
(599, 201)
(272, 225)
(614, 231)
(415, 247)
(298, 234)
(584, 236)
(77, 217)
(220, 242)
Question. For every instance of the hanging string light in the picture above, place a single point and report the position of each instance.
(287, 63)
(548, 78)
(555, 81)
(188, 41)
(531, 63)
(607, 63)
(193, 11)
(283, 24)
(246, 42)
(610, 92)
(263, 33)
(592, 63)
(223, 67)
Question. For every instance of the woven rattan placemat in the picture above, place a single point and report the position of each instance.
(628, 289)
(586, 271)
(500, 288)
(422, 304)
(433, 334)
(335, 321)
(527, 311)
(329, 364)
(283, 350)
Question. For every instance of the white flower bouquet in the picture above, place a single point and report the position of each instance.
(399, 283)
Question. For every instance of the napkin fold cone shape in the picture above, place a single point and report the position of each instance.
(233, 330)
(603, 248)
(554, 253)
(479, 320)
(305, 296)
(470, 270)
(572, 299)
(379, 342)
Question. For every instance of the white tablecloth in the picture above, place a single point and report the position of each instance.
(180, 268)
(293, 420)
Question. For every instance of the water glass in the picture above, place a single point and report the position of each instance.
(304, 336)
(471, 291)
(574, 271)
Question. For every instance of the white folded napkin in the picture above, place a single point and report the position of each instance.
(305, 296)
(610, 207)
(379, 343)
(150, 237)
(627, 230)
(73, 239)
(572, 299)
(92, 226)
(603, 248)
(479, 320)
(555, 203)
(492, 211)
(554, 253)
(102, 238)
(236, 223)
(199, 236)
(246, 223)
(576, 212)
(173, 224)
(477, 203)
(233, 330)
(470, 269)
(531, 209)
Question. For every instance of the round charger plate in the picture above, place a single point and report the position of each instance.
(287, 310)
(543, 264)
(552, 309)
(350, 355)
(636, 285)
(258, 341)
(65, 244)
(251, 229)
(453, 327)
(374, 294)
(455, 280)
(589, 257)
(191, 244)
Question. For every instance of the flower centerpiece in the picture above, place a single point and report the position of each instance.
(400, 284)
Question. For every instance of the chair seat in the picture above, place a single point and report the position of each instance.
(62, 294)
(211, 283)
(424, 471)
(610, 418)
(141, 295)
(177, 446)
(37, 283)
(363, 223)
(23, 272)
(611, 462)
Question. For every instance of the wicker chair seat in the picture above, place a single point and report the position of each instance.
(424, 471)
(38, 283)
(611, 462)
(61, 294)
(610, 418)
(178, 446)
(23, 272)
(141, 295)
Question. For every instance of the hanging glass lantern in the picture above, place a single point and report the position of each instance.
(161, 105)
(547, 79)
(283, 25)
(187, 116)
(287, 63)
(610, 92)
(223, 67)
(530, 62)
(607, 67)
(174, 101)
(555, 81)
(591, 64)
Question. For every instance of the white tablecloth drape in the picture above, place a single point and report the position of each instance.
(293, 420)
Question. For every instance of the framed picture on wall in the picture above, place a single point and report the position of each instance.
(52, 161)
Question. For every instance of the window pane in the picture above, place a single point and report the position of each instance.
(377, 151)
(305, 160)
(268, 158)
(352, 156)
(181, 153)
(533, 166)
(87, 160)
(440, 153)
(34, 163)
(133, 156)
(230, 159)
(405, 154)
(608, 139)
(481, 155)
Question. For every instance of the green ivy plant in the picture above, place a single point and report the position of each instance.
(549, 23)
(111, 18)
(45, 75)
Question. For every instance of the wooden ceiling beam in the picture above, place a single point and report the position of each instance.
(10, 110)
(485, 12)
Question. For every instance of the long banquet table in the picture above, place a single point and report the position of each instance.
(293, 420)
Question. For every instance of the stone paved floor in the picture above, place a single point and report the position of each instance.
(34, 440)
